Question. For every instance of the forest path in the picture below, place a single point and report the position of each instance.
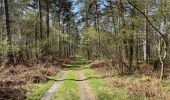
(84, 90)
(54, 87)
(86, 93)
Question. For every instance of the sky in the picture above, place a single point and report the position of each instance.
(76, 8)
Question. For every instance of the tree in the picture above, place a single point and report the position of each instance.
(47, 16)
(146, 46)
(9, 35)
(40, 19)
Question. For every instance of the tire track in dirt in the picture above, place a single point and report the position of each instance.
(48, 95)
(86, 93)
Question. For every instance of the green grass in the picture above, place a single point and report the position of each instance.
(79, 63)
(68, 89)
(38, 90)
(103, 91)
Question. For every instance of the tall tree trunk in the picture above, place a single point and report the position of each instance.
(63, 39)
(9, 35)
(69, 39)
(163, 49)
(86, 14)
(47, 18)
(1, 20)
(146, 46)
(1, 7)
(97, 29)
(59, 36)
(162, 54)
(87, 26)
(36, 37)
(1, 25)
(131, 41)
(137, 51)
(125, 42)
(40, 19)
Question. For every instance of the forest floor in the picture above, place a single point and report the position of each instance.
(79, 82)
(18, 81)
(79, 79)
(72, 85)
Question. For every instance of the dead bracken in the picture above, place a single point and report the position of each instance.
(14, 78)
(143, 83)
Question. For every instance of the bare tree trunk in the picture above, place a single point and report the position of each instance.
(137, 51)
(47, 18)
(97, 29)
(1, 26)
(162, 54)
(9, 35)
(164, 45)
(86, 14)
(36, 37)
(146, 46)
(63, 39)
(87, 26)
(40, 19)
(69, 39)
(59, 36)
(1, 3)
(131, 43)
(1, 19)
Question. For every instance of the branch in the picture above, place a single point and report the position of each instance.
(148, 20)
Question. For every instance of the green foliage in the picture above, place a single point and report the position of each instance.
(4, 45)
(39, 90)
(90, 34)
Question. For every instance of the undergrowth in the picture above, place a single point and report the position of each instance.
(140, 85)
(103, 91)
(38, 90)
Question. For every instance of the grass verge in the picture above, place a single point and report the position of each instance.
(38, 90)
(104, 92)
(68, 89)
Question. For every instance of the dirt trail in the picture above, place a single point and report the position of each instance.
(86, 92)
(54, 87)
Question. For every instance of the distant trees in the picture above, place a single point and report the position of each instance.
(130, 32)
(33, 34)
(127, 32)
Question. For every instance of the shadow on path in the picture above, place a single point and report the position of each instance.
(76, 69)
(88, 78)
